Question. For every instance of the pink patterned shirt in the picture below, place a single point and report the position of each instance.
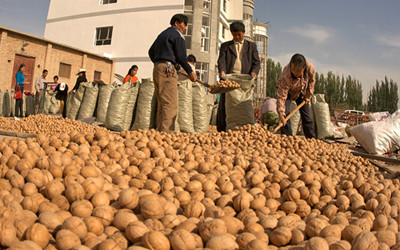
(287, 83)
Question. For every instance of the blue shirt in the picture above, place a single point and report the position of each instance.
(170, 46)
(20, 79)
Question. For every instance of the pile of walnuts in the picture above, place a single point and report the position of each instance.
(244, 189)
(223, 86)
(46, 124)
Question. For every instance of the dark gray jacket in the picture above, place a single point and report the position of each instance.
(250, 59)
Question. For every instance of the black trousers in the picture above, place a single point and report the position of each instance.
(308, 126)
(18, 107)
(221, 115)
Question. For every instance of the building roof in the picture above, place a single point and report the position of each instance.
(52, 42)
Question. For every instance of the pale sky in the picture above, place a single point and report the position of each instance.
(357, 38)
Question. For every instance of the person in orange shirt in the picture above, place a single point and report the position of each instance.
(131, 76)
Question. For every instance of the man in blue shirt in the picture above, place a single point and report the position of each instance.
(167, 51)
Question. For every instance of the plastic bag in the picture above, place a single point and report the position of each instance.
(130, 106)
(199, 106)
(379, 137)
(269, 105)
(239, 102)
(295, 119)
(145, 116)
(76, 100)
(116, 111)
(89, 101)
(322, 117)
(105, 92)
(6, 104)
(185, 116)
(214, 112)
(1, 103)
(378, 116)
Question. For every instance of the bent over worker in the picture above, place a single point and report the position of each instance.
(168, 50)
(296, 83)
(237, 56)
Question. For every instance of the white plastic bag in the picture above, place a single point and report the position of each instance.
(379, 137)
(378, 116)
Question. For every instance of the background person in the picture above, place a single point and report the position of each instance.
(168, 50)
(131, 76)
(182, 75)
(39, 87)
(296, 83)
(237, 56)
(81, 78)
(62, 95)
(20, 84)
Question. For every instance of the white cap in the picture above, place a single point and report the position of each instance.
(62, 86)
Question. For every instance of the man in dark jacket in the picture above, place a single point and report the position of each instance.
(237, 56)
(168, 50)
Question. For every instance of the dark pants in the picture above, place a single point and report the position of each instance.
(18, 107)
(64, 112)
(308, 127)
(221, 115)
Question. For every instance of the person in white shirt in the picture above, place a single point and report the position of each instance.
(39, 87)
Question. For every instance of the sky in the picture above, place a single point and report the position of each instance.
(347, 37)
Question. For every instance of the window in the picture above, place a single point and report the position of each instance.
(223, 32)
(108, 1)
(202, 70)
(224, 3)
(64, 70)
(205, 33)
(188, 5)
(97, 76)
(260, 46)
(248, 23)
(207, 6)
(103, 36)
(189, 31)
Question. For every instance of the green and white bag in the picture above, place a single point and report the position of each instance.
(239, 102)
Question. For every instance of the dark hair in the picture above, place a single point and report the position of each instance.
(237, 26)
(44, 71)
(298, 60)
(132, 68)
(191, 58)
(180, 18)
(56, 76)
(20, 66)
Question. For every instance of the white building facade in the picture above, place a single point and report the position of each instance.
(120, 29)
(124, 29)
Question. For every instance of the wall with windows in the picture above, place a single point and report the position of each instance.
(57, 58)
(120, 29)
(202, 36)
(261, 39)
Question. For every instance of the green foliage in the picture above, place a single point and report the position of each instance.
(273, 73)
(383, 96)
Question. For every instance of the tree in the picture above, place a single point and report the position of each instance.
(273, 73)
(383, 96)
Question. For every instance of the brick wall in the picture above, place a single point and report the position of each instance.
(48, 55)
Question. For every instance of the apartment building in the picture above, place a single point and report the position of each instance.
(261, 39)
(124, 30)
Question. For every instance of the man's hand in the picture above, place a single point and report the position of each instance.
(193, 76)
(282, 120)
(306, 100)
(254, 75)
(222, 74)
